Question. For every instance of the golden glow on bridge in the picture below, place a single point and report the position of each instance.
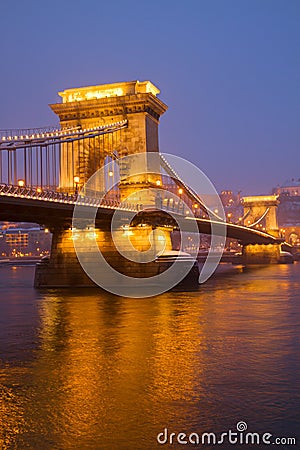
(108, 90)
(256, 199)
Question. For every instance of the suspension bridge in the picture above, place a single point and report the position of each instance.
(44, 173)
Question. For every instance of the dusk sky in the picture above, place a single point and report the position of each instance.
(229, 70)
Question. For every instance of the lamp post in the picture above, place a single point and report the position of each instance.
(21, 183)
(196, 208)
(180, 191)
(76, 181)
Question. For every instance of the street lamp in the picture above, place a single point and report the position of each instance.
(196, 206)
(21, 183)
(180, 191)
(76, 181)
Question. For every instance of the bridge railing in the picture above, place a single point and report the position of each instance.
(36, 193)
(12, 132)
(55, 157)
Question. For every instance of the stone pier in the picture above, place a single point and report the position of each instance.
(64, 270)
(261, 254)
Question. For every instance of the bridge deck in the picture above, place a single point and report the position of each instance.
(58, 211)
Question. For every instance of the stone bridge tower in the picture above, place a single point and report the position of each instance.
(262, 207)
(92, 106)
(260, 211)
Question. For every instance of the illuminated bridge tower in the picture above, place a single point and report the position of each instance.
(260, 212)
(137, 103)
(92, 106)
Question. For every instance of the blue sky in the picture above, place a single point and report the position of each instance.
(229, 70)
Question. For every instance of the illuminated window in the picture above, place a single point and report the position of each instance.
(17, 239)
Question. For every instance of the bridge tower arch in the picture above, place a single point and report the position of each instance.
(91, 106)
(260, 211)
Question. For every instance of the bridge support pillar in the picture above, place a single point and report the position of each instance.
(261, 254)
(64, 270)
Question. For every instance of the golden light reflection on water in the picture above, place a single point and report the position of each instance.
(112, 372)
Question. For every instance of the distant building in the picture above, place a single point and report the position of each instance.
(24, 240)
(290, 187)
(289, 210)
(227, 197)
(232, 205)
(233, 211)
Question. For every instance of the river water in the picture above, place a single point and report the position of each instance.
(82, 369)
